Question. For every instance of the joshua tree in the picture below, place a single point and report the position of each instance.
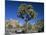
(26, 12)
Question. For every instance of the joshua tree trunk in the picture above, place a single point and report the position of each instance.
(26, 26)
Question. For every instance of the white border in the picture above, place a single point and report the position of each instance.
(28, 0)
(2, 17)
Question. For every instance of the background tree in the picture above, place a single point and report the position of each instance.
(26, 12)
(10, 26)
(40, 25)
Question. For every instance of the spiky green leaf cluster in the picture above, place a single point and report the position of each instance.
(26, 11)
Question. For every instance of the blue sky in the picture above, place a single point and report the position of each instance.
(11, 8)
